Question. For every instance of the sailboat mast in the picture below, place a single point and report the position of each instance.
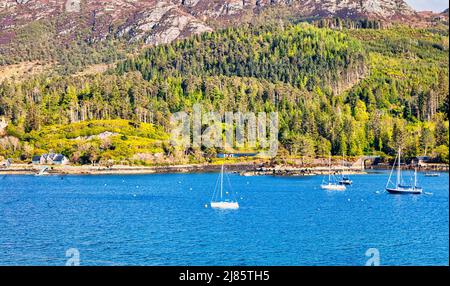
(398, 169)
(415, 177)
(329, 171)
(221, 184)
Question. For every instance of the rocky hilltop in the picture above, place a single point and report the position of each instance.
(157, 22)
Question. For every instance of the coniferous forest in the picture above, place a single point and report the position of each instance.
(340, 91)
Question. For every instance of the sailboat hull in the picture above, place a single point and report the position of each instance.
(432, 175)
(225, 205)
(400, 191)
(332, 187)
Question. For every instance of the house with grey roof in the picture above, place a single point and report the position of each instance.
(50, 159)
(37, 160)
(60, 159)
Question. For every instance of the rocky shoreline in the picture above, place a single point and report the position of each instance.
(23, 169)
(244, 169)
(312, 171)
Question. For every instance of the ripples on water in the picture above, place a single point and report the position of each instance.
(162, 220)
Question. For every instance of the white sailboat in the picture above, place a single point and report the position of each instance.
(399, 187)
(332, 184)
(221, 200)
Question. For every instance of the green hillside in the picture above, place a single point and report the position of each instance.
(349, 91)
(300, 55)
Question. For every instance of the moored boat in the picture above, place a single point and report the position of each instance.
(345, 181)
(332, 184)
(398, 187)
(42, 172)
(221, 200)
(432, 174)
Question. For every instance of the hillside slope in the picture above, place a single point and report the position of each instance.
(402, 98)
(77, 33)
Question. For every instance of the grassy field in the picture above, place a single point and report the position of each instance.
(95, 141)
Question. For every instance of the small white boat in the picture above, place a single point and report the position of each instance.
(221, 200)
(345, 179)
(42, 172)
(432, 175)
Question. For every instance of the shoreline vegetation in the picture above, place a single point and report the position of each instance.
(243, 168)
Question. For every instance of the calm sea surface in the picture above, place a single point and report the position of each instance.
(162, 220)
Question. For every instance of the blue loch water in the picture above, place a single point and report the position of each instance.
(162, 220)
